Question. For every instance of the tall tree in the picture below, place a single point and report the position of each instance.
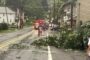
(31, 7)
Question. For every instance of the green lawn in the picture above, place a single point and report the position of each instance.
(7, 31)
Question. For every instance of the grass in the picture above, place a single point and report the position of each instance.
(7, 31)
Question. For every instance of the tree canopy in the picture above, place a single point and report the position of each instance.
(30, 7)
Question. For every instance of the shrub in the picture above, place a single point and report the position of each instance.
(3, 26)
(69, 39)
(86, 32)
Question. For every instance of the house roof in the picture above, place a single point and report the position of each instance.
(3, 10)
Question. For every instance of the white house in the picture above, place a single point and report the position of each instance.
(7, 15)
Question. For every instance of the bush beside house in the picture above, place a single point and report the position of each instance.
(3, 26)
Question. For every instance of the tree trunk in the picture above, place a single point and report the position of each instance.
(71, 15)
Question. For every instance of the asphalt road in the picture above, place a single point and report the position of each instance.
(43, 53)
(34, 53)
(31, 53)
(61, 54)
(14, 34)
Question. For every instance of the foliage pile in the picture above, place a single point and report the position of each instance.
(68, 39)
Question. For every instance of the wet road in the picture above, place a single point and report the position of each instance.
(31, 52)
(43, 53)
(14, 34)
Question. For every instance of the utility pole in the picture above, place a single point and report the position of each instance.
(21, 15)
(6, 11)
(78, 15)
(71, 15)
(54, 10)
(49, 14)
(58, 11)
(17, 17)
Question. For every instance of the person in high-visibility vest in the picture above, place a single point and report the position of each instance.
(40, 30)
(39, 26)
(36, 25)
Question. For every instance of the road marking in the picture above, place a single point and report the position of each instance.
(5, 44)
(49, 53)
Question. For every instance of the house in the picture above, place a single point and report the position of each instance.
(69, 13)
(78, 14)
(83, 10)
(7, 15)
